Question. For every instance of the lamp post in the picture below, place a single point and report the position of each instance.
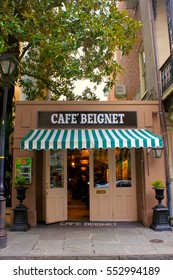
(8, 66)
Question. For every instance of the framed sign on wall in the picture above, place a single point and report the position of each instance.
(23, 167)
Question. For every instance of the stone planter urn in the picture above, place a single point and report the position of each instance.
(20, 217)
(159, 194)
(160, 220)
(21, 193)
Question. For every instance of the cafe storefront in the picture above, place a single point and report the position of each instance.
(87, 161)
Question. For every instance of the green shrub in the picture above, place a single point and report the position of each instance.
(158, 184)
(20, 181)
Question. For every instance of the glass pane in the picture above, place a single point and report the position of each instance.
(123, 167)
(56, 169)
(101, 171)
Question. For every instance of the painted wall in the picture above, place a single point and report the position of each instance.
(162, 37)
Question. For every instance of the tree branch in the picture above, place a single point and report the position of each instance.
(25, 49)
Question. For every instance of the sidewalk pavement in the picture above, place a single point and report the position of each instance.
(94, 241)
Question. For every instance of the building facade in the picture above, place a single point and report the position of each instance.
(95, 157)
(152, 78)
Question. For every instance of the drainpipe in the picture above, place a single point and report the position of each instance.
(161, 113)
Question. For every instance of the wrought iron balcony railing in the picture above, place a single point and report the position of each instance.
(167, 74)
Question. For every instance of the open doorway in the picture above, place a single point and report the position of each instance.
(78, 184)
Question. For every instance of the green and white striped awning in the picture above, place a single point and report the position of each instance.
(90, 138)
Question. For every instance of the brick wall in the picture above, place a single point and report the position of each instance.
(130, 77)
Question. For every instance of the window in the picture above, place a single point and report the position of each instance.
(56, 169)
(123, 167)
(101, 171)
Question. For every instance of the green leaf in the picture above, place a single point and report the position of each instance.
(57, 43)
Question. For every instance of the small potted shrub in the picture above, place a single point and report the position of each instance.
(158, 184)
(20, 181)
(20, 218)
(159, 188)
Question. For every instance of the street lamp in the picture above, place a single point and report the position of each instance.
(8, 65)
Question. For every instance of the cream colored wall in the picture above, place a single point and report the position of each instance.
(26, 119)
(159, 32)
(151, 77)
(162, 37)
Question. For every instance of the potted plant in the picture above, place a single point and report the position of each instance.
(159, 188)
(20, 217)
(20, 182)
(160, 220)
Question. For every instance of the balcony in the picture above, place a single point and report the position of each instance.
(167, 77)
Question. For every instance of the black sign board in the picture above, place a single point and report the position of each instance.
(72, 119)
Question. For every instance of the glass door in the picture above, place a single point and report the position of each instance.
(101, 189)
(55, 186)
(112, 185)
(124, 190)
